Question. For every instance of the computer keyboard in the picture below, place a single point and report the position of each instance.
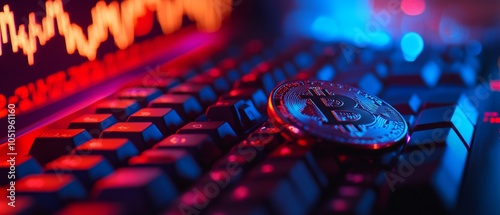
(199, 141)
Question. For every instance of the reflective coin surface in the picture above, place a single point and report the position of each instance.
(336, 114)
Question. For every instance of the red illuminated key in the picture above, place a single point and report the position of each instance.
(350, 200)
(202, 92)
(142, 95)
(23, 205)
(54, 143)
(93, 123)
(176, 163)
(166, 119)
(185, 105)
(221, 132)
(142, 134)
(162, 83)
(50, 191)
(24, 166)
(86, 168)
(120, 108)
(115, 150)
(94, 208)
(201, 146)
(146, 189)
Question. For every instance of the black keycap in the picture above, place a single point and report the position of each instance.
(176, 163)
(116, 151)
(161, 83)
(86, 168)
(221, 132)
(93, 123)
(138, 190)
(181, 74)
(23, 206)
(459, 74)
(94, 208)
(120, 108)
(442, 117)
(240, 115)
(428, 173)
(50, 192)
(201, 146)
(445, 97)
(143, 134)
(166, 119)
(259, 78)
(408, 74)
(142, 95)
(185, 105)
(350, 200)
(24, 166)
(202, 92)
(54, 143)
(257, 96)
(214, 79)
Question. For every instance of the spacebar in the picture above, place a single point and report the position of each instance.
(481, 190)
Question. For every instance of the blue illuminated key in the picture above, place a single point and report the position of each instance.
(213, 78)
(143, 134)
(404, 102)
(24, 166)
(257, 96)
(93, 123)
(57, 142)
(370, 84)
(240, 115)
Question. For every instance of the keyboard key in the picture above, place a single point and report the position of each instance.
(406, 74)
(23, 206)
(117, 151)
(24, 166)
(459, 74)
(93, 123)
(50, 191)
(214, 79)
(201, 146)
(428, 173)
(142, 95)
(54, 143)
(147, 190)
(442, 117)
(259, 78)
(221, 132)
(120, 108)
(350, 200)
(94, 208)
(86, 168)
(202, 92)
(166, 119)
(257, 96)
(240, 115)
(176, 163)
(185, 105)
(161, 83)
(142, 134)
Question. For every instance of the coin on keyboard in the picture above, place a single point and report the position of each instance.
(335, 114)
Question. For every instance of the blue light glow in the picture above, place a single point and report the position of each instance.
(412, 45)
(324, 29)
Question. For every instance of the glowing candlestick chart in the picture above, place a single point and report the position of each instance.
(116, 18)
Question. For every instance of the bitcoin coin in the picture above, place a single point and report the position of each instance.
(335, 114)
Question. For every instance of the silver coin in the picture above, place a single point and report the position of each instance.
(336, 114)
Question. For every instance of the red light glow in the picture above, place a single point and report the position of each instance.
(240, 192)
(413, 7)
(267, 168)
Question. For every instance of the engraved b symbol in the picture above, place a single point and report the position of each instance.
(338, 109)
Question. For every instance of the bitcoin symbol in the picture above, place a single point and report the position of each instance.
(338, 109)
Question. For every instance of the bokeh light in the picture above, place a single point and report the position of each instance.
(413, 7)
(412, 45)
